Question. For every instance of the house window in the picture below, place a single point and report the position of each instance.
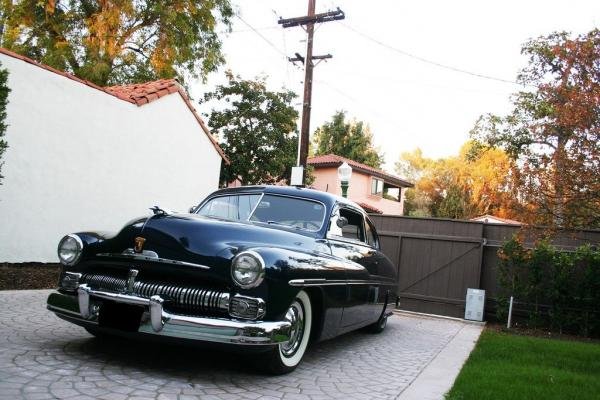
(376, 186)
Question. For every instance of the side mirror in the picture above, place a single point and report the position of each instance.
(342, 222)
(192, 209)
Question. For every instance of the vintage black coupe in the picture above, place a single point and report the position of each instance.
(269, 266)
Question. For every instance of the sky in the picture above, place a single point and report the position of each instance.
(407, 103)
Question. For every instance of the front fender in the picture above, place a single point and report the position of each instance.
(283, 265)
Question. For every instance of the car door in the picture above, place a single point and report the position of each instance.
(383, 272)
(349, 241)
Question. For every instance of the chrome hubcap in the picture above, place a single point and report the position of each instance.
(295, 316)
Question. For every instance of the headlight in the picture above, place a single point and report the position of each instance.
(69, 249)
(248, 269)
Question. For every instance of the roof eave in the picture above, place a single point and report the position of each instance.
(386, 178)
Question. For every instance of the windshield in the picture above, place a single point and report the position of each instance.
(235, 208)
(269, 209)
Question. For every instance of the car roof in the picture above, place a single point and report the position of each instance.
(328, 199)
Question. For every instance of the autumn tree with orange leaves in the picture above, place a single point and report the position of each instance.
(553, 133)
(471, 184)
(120, 41)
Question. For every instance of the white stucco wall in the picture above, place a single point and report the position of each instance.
(80, 159)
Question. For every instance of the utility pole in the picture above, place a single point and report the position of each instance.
(308, 23)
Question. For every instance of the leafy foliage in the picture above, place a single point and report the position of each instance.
(4, 90)
(554, 131)
(257, 129)
(352, 140)
(560, 290)
(474, 183)
(122, 41)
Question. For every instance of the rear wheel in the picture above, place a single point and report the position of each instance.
(378, 326)
(286, 356)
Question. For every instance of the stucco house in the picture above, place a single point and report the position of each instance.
(84, 157)
(375, 190)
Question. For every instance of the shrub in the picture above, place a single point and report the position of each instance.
(559, 290)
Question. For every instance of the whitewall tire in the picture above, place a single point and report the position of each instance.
(286, 356)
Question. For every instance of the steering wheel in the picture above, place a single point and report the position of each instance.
(305, 224)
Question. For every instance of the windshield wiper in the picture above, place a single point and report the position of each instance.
(281, 224)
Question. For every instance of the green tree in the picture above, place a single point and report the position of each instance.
(4, 90)
(121, 41)
(352, 140)
(257, 130)
(553, 131)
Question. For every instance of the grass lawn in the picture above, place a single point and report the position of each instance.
(506, 366)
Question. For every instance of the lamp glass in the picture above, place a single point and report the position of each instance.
(344, 172)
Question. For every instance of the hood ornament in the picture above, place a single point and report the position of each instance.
(159, 211)
(139, 244)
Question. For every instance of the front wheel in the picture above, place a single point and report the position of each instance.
(286, 356)
(98, 334)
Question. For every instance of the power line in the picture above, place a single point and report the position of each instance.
(287, 65)
(427, 61)
(264, 28)
(262, 36)
(360, 103)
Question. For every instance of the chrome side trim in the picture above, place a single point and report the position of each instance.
(142, 257)
(332, 282)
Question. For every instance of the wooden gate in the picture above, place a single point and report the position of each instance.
(438, 260)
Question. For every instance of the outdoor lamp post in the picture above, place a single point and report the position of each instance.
(345, 173)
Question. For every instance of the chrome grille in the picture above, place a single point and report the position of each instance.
(104, 282)
(194, 300)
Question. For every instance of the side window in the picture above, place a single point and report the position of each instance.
(371, 235)
(352, 228)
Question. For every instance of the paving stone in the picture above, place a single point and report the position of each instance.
(44, 357)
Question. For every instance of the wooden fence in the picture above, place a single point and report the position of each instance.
(439, 259)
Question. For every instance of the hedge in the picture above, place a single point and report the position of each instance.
(560, 290)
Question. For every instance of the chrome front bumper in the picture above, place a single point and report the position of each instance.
(85, 307)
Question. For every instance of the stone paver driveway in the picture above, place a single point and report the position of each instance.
(43, 357)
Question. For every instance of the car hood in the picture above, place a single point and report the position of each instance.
(201, 240)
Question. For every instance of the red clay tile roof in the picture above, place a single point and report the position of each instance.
(333, 160)
(143, 93)
(370, 209)
(138, 93)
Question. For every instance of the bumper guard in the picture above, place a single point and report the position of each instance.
(83, 309)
